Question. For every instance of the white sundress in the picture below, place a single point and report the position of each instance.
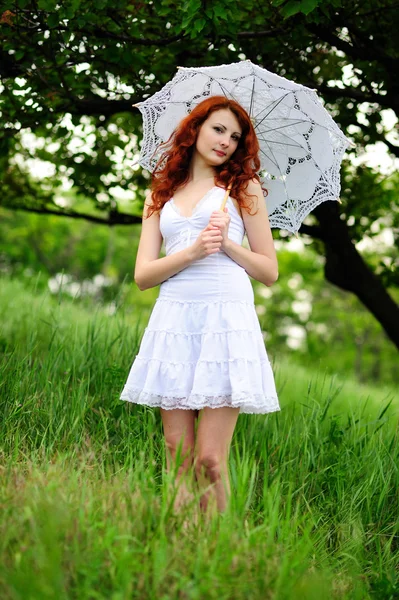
(203, 346)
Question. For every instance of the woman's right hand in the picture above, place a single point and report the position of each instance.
(208, 242)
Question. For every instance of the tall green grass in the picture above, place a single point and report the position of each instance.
(87, 505)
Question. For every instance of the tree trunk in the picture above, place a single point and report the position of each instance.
(346, 268)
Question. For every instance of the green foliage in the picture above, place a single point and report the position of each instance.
(199, 18)
(369, 204)
(292, 7)
(334, 331)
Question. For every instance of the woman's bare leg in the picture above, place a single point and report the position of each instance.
(214, 434)
(179, 429)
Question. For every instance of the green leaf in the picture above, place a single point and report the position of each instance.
(192, 6)
(308, 5)
(47, 5)
(291, 8)
(69, 11)
(80, 22)
(185, 22)
(199, 24)
(52, 20)
(220, 11)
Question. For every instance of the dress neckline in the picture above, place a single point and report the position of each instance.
(196, 206)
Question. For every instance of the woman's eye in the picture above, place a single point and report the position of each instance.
(236, 139)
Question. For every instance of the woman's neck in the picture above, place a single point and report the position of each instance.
(200, 171)
(199, 178)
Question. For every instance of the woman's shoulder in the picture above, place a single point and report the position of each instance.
(252, 197)
(149, 208)
(253, 186)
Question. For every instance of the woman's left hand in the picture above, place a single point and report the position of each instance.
(221, 219)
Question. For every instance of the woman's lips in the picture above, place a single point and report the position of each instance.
(220, 153)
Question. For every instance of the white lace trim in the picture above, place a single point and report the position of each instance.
(214, 302)
(204, 360)
(253, 332)
(248, 403)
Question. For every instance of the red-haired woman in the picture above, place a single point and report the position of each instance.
(202, 354)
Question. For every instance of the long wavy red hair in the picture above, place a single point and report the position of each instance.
(172, 169)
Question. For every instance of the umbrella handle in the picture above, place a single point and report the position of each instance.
(226, 195)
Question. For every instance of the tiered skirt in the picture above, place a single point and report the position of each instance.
(197, 354)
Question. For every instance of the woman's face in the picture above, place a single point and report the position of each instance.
(218, 137)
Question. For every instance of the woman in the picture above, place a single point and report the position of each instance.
(202, 354)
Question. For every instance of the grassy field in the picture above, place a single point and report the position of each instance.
(86, 502)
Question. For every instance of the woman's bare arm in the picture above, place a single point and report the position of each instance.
(260, 262)
(150, 270)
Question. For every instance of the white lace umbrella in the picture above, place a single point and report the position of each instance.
(301, 147)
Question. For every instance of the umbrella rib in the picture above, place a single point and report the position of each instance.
(282, 143)
(282, 176)
(275, 106)
(337, 133)
(297, 145)
(286, 125)
(312, 158)
(229, 93)
(333, 130)
(252, 95)
(269, 158)
(288, 119)
(221, 86)
(278, 167)
(260, 133)
(276, 102)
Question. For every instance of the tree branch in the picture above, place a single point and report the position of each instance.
(365, 52)
(313, 231)
(379, 137)
(99, 33)
(388, 100)
(346, 268)
(374, 50)
(114, 217)
(262, 33)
